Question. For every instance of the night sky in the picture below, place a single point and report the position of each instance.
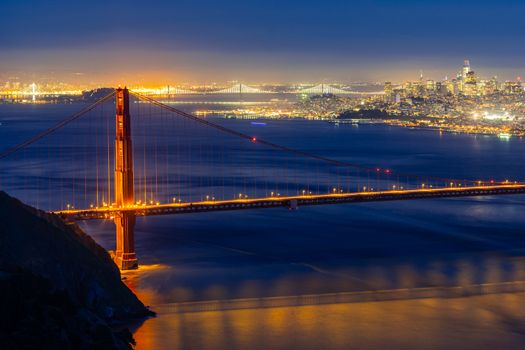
(253, 40)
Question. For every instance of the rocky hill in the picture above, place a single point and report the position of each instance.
(58, 287)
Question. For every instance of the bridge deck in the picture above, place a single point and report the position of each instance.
(290, 201)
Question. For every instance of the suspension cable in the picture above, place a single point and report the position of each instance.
(292, 150)
(51, 130)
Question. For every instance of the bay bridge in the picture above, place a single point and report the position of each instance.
(33, 92)
(241, 89)
(128, 155)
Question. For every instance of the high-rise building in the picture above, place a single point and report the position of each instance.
(466, 81)
(513, 87)
(397, 97)
(430, 85)
(470, 78)
(389, 92)
(466, 69)
(490, 86)
(442, 88)
(388, 88)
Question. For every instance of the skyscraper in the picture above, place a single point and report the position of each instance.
(388, 88)
(466, 69)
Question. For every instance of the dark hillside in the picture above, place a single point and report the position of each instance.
(57, 282)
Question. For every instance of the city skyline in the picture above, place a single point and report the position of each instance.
(26, 81)
(256, 41)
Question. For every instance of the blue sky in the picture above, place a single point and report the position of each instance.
(257, 40)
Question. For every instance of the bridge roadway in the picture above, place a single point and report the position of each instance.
(291, 202)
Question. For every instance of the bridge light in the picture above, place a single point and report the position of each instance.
(254, 139)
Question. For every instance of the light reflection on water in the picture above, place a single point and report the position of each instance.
(483, 322)
(469, 304)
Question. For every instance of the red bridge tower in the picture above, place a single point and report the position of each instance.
(125, 257)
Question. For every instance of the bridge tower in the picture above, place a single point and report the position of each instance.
(125, 256)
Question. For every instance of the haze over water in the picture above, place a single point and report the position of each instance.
(342, 249)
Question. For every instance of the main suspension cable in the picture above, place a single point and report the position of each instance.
(295, 151)
(51, 130)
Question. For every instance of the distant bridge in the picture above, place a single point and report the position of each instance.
(236, 89)
(240, 89)
(324, 89)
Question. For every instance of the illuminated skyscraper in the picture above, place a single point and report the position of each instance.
(490, 86)
(430, 85)
(470, 78)
(388, 91)
(466, 69)
(466, 81)
(388, 88)
(513, 87)
(33, 91)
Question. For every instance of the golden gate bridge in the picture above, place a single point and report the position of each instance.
(140, 157)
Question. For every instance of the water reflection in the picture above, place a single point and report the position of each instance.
(481, 322)
(461, 276)
(473, 303)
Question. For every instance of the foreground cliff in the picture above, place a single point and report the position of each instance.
(58, 288)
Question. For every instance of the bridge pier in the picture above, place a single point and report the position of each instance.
(125, 256)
